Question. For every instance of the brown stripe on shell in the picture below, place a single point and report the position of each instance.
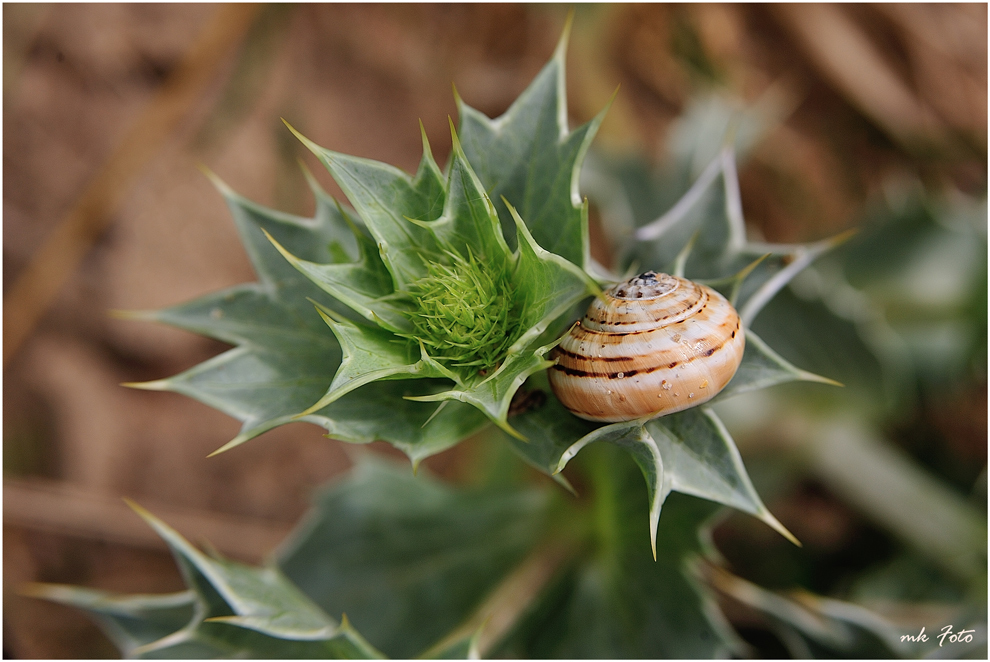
(560, 352)
(619, 374)
(618, 314)
(622, 374)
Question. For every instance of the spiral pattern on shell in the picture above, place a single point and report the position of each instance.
(652, 345)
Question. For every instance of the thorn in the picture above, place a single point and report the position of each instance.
(426, 140)
(290, 258)
(611, 100)
(220, 185)
(329, 315)
(236, 441)
(511, 431)
(422, 224)
(155, 385)
(742, 275)
(310, 145)
(314, 185)
(812, 377)
(320, 404)
(748, 269)
(842, 237)
(729, 137)
(561, 50)
(138, 315)
(563, 482)
(43, 590)
(680, 262)
(434, 414)
(775, 524)
(137, 508)
(456, 143)
(521, 227)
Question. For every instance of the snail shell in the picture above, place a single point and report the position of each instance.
(653, 345)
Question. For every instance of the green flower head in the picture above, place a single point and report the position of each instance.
(465, 313)
(442, 296)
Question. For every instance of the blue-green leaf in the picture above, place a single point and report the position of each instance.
(130, 621)
(547, 284)
(529, 158)
(469, 222)
(261, 388)
(230, 611)
(493, 396)
(405, 557)
(386, 198)
(365, 286)
(418, 429)
(689, 452)
(761, 367)
(286, 356)
(371, 354)
(617, 602)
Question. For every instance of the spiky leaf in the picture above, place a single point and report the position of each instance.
(130, 621)
(385, 198)
(689, 452)
(230, 611)
(530, 158)
(286, 356)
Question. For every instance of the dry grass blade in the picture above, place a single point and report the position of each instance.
(65, 510)
(847, 57)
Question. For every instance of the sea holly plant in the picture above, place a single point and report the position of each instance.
(414, 303)
(436, 297)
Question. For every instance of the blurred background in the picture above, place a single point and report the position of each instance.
(872, 116)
